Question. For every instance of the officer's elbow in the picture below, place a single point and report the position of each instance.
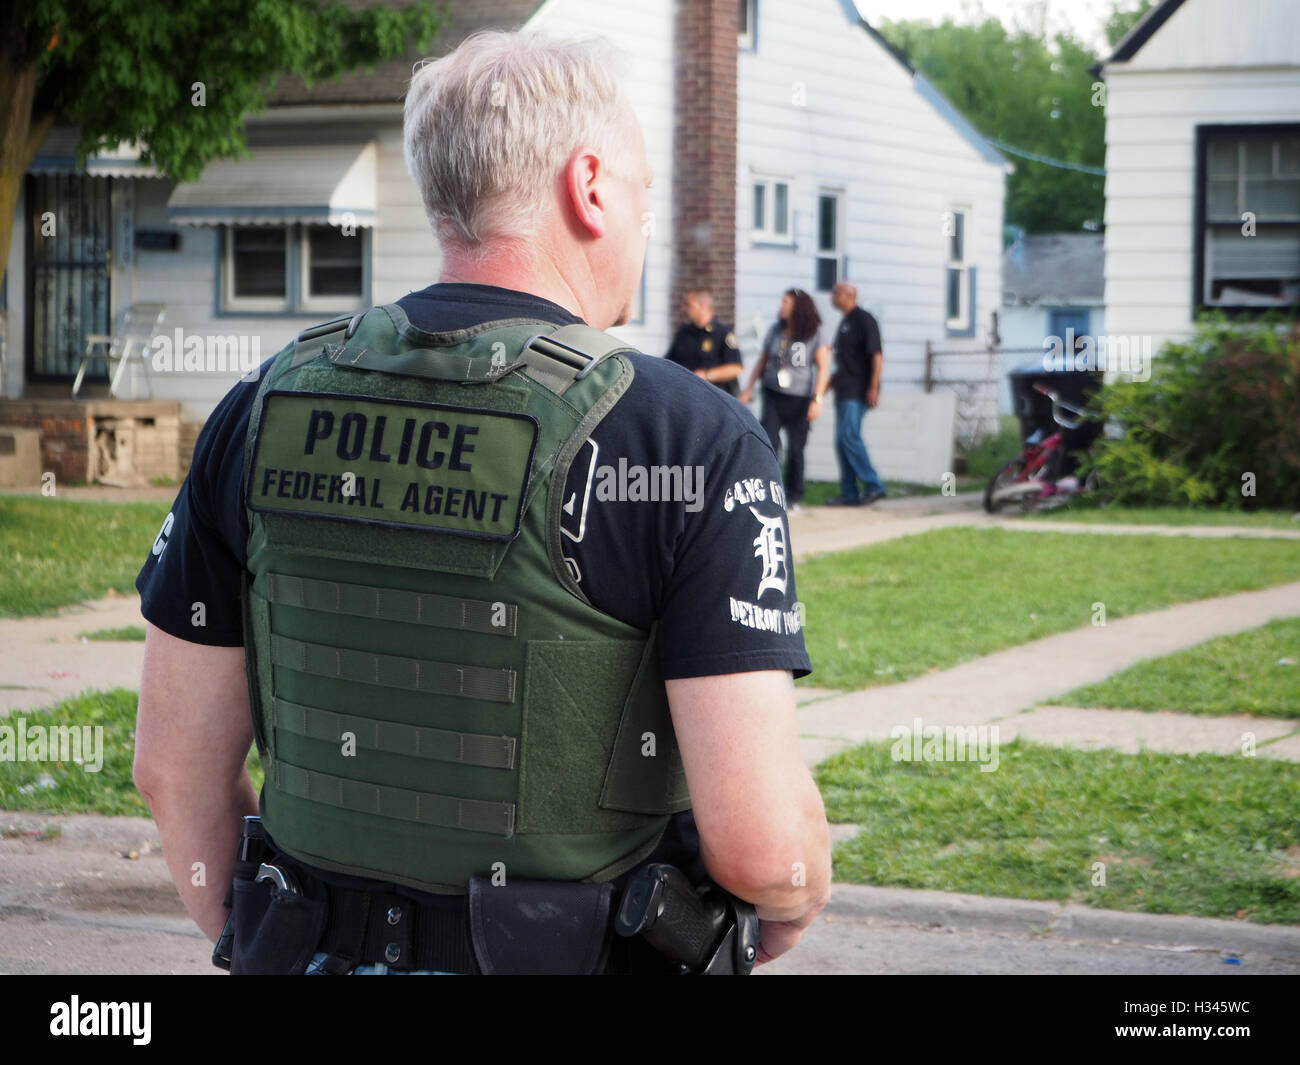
(782, 862)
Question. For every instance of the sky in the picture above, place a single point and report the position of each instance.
(1084, 17)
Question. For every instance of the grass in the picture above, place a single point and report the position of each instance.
(1082, 510)
(58, 552)
(65, 787)
(817, 493)
(131, 632)
(1211, 835)
(993, 452)
(1242, 674)
(897, 609)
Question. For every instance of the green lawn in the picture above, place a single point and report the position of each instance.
(1082, 511)
(816, 493)
(57, 552)
(130, 633)
(1211, 835)
(895, 610)
(65, 787)
(1256, 672)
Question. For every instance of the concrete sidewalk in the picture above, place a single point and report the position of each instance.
(998, 687)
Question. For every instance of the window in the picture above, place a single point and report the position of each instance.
(748, 24)
(1248, 208)
(828, 241)
(293, 269)
(958, 275)
(772, 211)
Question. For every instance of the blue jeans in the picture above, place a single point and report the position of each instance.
(313, 969)
(855, 463)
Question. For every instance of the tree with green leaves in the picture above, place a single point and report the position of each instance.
(1022, 89)
(177, 78)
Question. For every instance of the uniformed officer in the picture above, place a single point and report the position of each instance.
(704, 345)
(487, 602)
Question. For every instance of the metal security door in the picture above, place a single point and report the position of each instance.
(70, 233)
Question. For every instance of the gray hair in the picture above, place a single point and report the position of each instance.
(488, 127)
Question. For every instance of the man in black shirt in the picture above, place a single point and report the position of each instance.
(558, 238)
(704, 345)
(858, 362)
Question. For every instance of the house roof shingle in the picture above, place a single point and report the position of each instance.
(1060, 268)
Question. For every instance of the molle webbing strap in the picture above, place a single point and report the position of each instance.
(444, 811)
(390, 737)
(393, 604)
(392, 671)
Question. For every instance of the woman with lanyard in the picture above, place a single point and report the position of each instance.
(795, 369)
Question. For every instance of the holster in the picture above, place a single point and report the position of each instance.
(275, 931)
(535, 927)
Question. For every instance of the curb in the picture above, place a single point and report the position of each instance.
(987, 913)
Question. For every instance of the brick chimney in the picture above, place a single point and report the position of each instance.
(704, 157)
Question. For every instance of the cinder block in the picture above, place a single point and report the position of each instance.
(20, 458)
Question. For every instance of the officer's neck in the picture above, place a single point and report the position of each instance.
(514, 267)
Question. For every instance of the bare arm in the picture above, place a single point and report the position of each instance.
(192, 735)
(720, 375)
(757, 375)
(823, 357)
(762, 824)
(873, 389)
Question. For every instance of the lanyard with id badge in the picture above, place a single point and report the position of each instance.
(784, 377)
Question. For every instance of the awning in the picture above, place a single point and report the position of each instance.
(58, 155)
(328, 184)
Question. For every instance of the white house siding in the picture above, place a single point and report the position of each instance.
(1213, 62)
(403, 257)
(643, 31)
(863, 129)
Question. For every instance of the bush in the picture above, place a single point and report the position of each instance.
(1218, 423)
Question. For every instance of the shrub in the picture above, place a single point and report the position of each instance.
(1218, 420)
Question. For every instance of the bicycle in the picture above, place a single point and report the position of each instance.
(1036, 478)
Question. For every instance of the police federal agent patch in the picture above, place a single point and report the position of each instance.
(403, 463)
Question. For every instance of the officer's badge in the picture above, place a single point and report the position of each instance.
(706, 345)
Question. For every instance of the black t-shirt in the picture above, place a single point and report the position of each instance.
(856, 342)
(714, 569)
(706, 349)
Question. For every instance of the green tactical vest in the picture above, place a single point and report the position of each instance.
(432, 692)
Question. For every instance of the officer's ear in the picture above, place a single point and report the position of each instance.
(583, 190)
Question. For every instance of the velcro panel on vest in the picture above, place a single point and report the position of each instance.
(414, 465)
(570, 686)
(646, 774)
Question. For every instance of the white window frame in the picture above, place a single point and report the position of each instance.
(837, 252)
(745, 39)
(767, 234)
(308, 301)
(962, 265)
(266, 304)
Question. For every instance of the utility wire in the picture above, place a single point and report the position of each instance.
(1095, 170)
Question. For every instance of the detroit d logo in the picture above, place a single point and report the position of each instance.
(769, 545)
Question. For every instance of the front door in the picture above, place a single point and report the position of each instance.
(70, 239)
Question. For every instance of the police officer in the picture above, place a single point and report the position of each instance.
(491, 610)
(704, 345)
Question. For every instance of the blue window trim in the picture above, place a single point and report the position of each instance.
(293, 279)
(752, 47)
(969, 329)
